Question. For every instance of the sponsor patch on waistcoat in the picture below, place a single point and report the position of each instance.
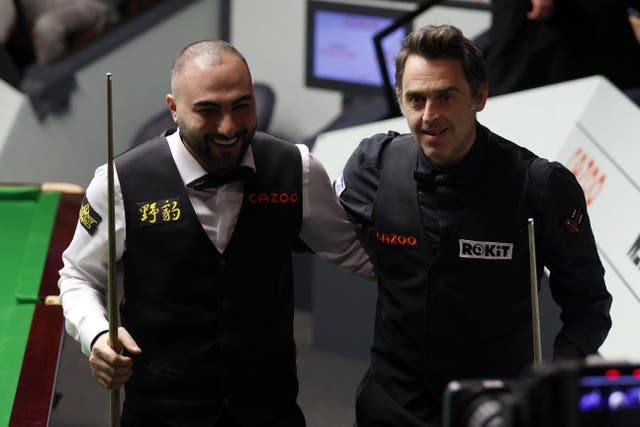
(338, 185)
(394, 239)
(162, 211)
(574, 222)
(485, 250)
(88, 217)
(273, 198)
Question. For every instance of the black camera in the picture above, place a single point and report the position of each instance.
(564, 394)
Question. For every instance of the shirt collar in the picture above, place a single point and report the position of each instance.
(188, 166)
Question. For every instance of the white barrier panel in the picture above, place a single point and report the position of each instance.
(12, 100)
(603, 150)
(594, 130)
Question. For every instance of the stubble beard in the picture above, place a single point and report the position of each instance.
(198, 146)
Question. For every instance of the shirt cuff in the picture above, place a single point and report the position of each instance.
(96, 338)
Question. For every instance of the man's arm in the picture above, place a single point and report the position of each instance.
(576, 273)
(325, 227)
(83, 281)
(338, 229)
(83, 276)
(357, 187)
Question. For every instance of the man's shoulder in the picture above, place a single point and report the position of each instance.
(273, 152)
(506, 146)
(545, 175)
(510, 158)
(371, 151)
(143, 148)
(269, 139)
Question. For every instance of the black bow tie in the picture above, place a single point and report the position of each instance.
(430, 180)
(216, 180)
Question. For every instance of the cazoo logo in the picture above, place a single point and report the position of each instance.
(393, 239)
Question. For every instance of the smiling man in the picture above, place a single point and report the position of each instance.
(206, 219)
(212, 103)
(444, 212)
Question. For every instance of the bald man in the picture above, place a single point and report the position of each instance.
(206, 219)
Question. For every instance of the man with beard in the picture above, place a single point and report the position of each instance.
(446, 209)
(206, 219)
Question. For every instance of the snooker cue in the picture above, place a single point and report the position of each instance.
(535, 309)
(112, 305)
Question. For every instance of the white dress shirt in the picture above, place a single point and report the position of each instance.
(83, 278)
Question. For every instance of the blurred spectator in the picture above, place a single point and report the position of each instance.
(634, 93)
(515, 59)
(51, 23)
(634, 20)
(539, 42)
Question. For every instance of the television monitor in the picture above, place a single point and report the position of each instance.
(340, 50)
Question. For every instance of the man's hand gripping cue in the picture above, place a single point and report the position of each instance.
(109, 367)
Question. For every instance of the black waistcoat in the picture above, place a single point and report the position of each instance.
(459, 309)
(216, 330)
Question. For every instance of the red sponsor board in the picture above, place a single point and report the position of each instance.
(590, 176)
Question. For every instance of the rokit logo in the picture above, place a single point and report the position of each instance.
(588, 174)
(634, 253)
(485, 250)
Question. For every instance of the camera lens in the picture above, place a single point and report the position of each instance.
(486, 411)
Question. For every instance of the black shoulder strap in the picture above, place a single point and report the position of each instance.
(537, 173)
(535, 179)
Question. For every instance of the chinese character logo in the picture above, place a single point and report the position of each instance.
(159, 212)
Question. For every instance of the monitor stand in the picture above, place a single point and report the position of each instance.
(356, 110)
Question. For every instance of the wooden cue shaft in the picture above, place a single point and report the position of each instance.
(535, 309)
(112, 297)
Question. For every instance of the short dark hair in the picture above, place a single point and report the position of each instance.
(210, 51)
(443, 42)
